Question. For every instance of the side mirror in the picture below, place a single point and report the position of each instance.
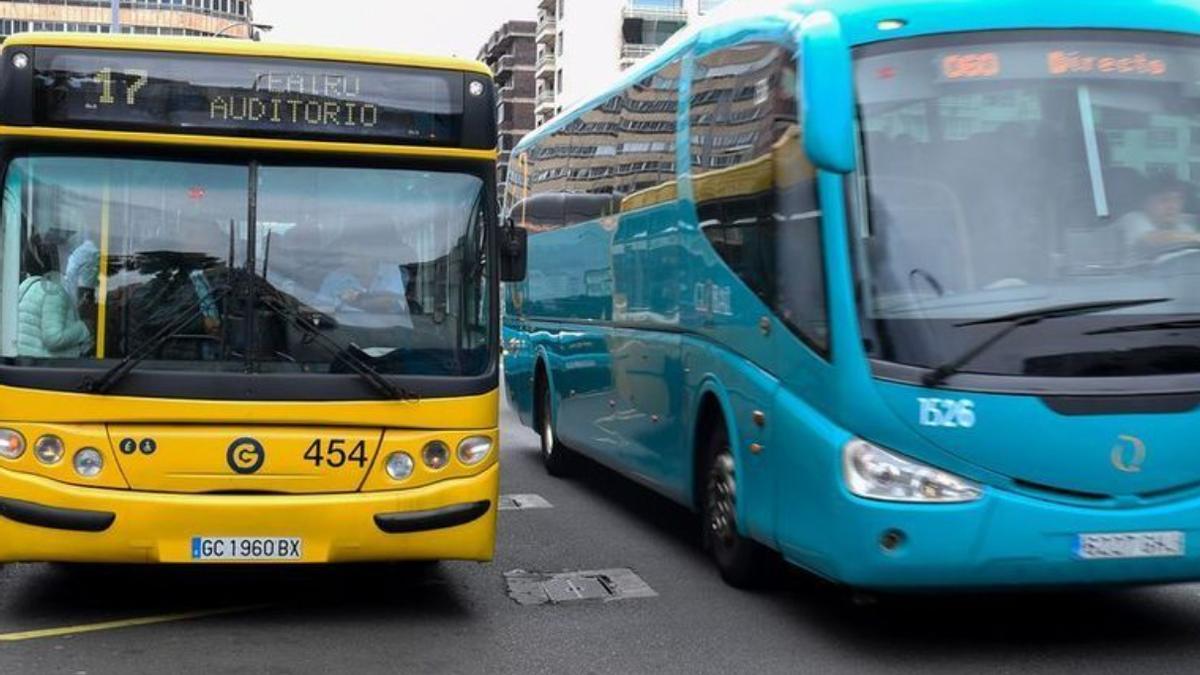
(514, 252)
(827, 91)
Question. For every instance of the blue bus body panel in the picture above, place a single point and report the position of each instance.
(637, 319)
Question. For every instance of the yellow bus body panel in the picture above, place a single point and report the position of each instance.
(220, 46)
(247, 144)
(158, 528)
(35, 406)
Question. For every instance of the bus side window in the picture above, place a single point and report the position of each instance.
(756, 191)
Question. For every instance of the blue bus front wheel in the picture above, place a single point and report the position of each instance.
(741, 561)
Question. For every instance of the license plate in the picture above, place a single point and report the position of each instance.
(1119, 546)
(247, 548)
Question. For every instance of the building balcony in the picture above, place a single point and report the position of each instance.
(545, 65)
(546, 103)
(509, 94)
(653, 12)
(631, 54)
(547, 29)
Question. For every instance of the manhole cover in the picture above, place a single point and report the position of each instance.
(523, 502)
(536, 588)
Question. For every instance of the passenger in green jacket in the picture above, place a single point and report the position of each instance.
(49, 325)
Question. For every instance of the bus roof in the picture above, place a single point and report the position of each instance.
(231, 47)
(860, 21)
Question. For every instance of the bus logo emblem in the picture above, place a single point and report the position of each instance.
(246, 456)
(1129, 454)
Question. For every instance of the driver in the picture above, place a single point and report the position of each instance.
(1160, 225)
(365, 286)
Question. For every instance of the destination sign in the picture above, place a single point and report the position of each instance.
(246, 96)
(917, 74)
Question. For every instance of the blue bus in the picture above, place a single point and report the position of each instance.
(907, 292)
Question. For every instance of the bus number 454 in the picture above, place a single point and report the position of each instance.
(337, 453)
(947, 413)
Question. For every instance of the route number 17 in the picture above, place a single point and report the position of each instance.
(133, 78)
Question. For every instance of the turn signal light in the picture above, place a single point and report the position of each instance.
(436, 455)
(49, 449)
(12, 444)
(474, 450)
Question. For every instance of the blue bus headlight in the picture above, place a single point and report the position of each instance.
(874, 473)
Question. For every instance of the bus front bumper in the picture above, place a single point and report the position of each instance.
(46, 521)
(1005, 540)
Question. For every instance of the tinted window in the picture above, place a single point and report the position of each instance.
(756, 192)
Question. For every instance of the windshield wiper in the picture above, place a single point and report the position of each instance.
(1181, 324)
(176, 323)
(273, 301)
(1018, 320)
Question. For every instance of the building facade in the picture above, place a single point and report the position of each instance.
(227, 18)
(512, 56)
(584, 43)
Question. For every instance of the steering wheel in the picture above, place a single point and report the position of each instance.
(1174, 254)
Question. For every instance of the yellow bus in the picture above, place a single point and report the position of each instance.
(248, 303)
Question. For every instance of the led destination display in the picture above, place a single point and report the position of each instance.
(916, 73)
(158, 91)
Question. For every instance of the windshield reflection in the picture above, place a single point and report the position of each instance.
(122, 256)
(1023, 185)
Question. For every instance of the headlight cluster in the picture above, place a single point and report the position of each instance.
(874, 473)
(436, 456)
(50, 450)
(12, 444)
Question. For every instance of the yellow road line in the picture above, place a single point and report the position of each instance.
(124, 623)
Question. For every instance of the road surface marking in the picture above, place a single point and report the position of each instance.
(124, 623)
(523, 502)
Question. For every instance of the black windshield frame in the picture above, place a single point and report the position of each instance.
(297, 387)
(1037, 384)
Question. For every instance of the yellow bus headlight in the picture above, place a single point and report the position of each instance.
(474, 450)
(12, 444)
(399, 466)
(49, 449)
(436, 455)
(89, 462)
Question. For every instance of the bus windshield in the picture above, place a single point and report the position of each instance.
(242, 267)
(1008, 173)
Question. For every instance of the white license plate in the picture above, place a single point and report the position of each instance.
(247, 548)
(1119, 546)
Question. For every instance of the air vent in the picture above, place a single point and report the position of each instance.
(1060, 493)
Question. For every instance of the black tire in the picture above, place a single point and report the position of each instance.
(743, 563)
(555, 456)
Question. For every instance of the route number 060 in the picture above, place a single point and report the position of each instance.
(336, 453)
(134, 79)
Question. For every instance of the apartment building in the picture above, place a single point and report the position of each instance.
(226, 18)
(511, 54)
(582, 43)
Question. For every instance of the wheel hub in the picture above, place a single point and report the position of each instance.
(722, 499)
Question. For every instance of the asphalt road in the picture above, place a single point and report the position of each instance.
(458, 618)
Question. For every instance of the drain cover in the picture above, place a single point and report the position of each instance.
(535, 588)
(523, 502)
